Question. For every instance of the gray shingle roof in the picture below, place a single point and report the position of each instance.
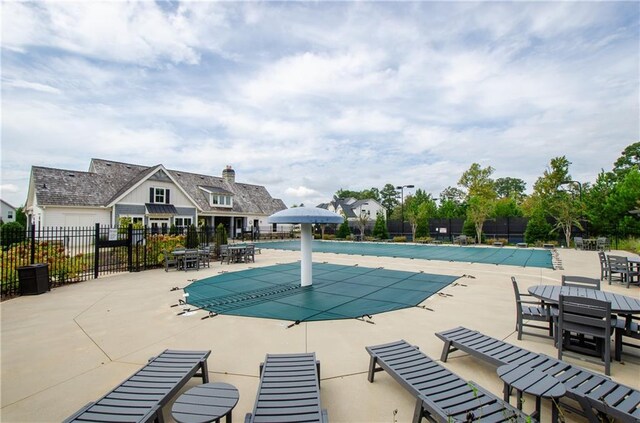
(107, 180)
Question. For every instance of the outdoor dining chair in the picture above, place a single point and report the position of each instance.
(620, 266)
(531, 310)
(629, 327)
(603, 244)
(585, 326)
(191, 260)
(604, 265)
(225, 254)
(579, 243)
(250, 253)
(580, 282)
(169, 260)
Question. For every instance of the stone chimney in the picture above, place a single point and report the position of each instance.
(229, 175)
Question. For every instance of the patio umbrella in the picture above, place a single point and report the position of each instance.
(305, 217)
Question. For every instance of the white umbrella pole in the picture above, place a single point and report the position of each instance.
(305, 250)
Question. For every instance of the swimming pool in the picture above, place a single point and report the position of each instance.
(524, 257)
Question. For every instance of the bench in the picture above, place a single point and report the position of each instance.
(289, 390)
(440, 394)
(141, 397)
(522, 245)
(596, 393)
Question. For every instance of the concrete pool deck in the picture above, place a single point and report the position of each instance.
(70, 346)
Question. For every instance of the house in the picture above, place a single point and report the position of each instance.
(153, 196)
(352, 209)
(7, 212)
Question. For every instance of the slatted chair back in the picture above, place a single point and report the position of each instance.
(579, 243)
(191, 260)
(528, 308)
(592, 391)
(603, 244)
(580, 282)
(589, 317)
(619, 265)
(224, 253)
(250, 253)
(604, 265)
(169, 260)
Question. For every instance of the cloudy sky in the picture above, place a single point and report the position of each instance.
(309, 97)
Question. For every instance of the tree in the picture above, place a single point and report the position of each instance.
(452, 194)
(343, 230)
(380, 228)
(192, 237)
(630, 159)
(389, 198)
(507, 207)
(481, 195)
(426, 211)
(538, 229)
(21, 217)
(418, 209)
(564, 205)
(510, 188)
(11, 233)
(363, 219)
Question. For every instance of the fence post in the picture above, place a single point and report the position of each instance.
(33, 244)
(96, 256)
(130, 248)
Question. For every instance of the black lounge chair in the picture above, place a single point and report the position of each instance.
(289, 390)
(442, 396)
(596, 393)
(141, 397)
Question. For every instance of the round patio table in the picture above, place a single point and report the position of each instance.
(620, 304)
(531, 381)
(206, 403)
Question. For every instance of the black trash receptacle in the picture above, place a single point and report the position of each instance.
(34, 279)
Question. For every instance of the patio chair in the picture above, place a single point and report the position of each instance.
(579, 243)
(597, 395)
(169, 260)
(527, 310)
(191, 260)
(603, 244)
(205, 256)
(460, 240)
(590, 319)
(629, 327)
(604, 265)
(289, 390)
(250, 253)
(141, 397)
(440, 394)
(619, 265)
(580, 282)
(225, 254)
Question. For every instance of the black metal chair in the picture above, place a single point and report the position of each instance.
(580, 282)
(590, 319)
(531, 310)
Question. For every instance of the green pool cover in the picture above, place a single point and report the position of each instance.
(338, 292)
(491, 255)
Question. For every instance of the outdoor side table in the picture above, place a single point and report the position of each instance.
(531, 381)
(206, 403)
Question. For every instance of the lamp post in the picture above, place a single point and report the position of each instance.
(580, 191)
(401, 188)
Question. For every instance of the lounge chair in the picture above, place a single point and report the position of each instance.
(460, 240)
(595, 393)
(289, 390)
(440, 395)
(141, 397)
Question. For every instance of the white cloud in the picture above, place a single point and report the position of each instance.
(32, 86)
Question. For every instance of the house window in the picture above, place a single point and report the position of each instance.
(182, 221)
(10, 214)
(137, 220)
(221, 200)
(159, 195)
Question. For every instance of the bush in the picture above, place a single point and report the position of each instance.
(343, 230)
(11, 233)
(400, 238)
(329, 237)
(629, 244)
(380, 228)
(192, 237)
(538, 230)
(424, 239)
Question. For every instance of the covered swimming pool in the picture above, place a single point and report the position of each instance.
(525, 257)
(338, 292)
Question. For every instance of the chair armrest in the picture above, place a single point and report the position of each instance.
(248, 418)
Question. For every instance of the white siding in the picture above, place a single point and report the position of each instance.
(141, 194)
(71, 217)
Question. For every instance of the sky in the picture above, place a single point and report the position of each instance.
(307, 98)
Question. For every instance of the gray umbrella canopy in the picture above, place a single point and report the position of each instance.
(305, 216)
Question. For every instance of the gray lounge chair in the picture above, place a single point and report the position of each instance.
(596, 394)
(289, 390)
(141, 397)
(441, 395)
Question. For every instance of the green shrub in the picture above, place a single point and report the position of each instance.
(629, 244)
(11, 233)
(329, 237)
(538, 230)
(380, 228)
(192, 237)
(424, 239)
(343, 230)
(401, 238)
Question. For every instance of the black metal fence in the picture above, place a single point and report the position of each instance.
(75, 254)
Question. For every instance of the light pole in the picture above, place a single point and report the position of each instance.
(580, 191)
(401, 188)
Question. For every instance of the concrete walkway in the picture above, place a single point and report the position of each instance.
(70, 346)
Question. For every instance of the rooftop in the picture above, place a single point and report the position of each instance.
(65, 348)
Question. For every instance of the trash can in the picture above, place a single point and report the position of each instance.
(34, 279)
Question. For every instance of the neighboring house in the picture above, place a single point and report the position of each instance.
(7, 212)
(154, 196)
(352, 208)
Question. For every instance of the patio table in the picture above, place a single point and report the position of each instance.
(206, 403)
(237, 252)
(179, 255)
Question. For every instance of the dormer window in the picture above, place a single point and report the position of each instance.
(159, 195)
(220, 200)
